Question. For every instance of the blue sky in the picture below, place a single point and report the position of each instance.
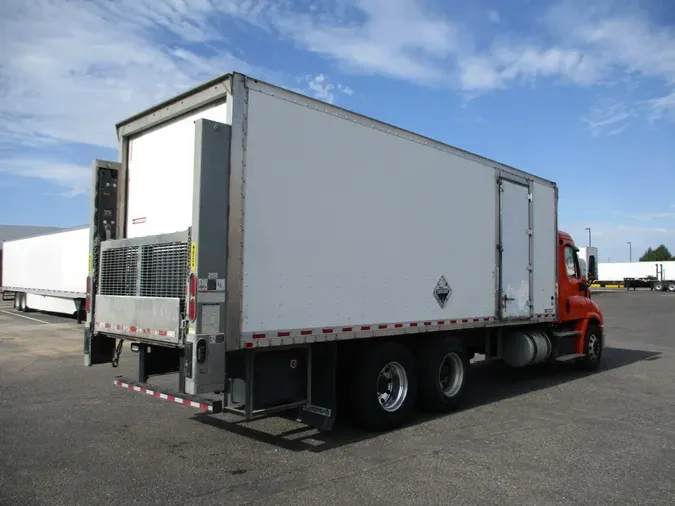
(583, 95)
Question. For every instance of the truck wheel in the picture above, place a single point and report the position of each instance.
(671, 286)
(17, 300)
(383, 387)
(592, 349)
(444, 368)
(22, 302)
(658, 286)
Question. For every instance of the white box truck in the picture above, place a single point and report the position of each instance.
(48, 272)
(284, 255)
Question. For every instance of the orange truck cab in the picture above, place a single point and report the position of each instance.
(576, 310)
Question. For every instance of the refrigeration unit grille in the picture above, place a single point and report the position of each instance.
(152, 270)
(164, 269)
(119, 272)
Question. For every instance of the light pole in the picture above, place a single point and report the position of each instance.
(589, 236)
(630, 251)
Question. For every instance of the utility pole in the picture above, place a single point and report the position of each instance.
(589, 236)
(630, 251)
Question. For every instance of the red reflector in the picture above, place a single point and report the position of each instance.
(398, 325)
(306, 332)
(258, 336)
(365, 327)
(346, 329)
(413, 324)
(327, 331)
(427, 323)
(193, 285)
(284, 334)
(382, 326)
(192, 310)
(87, 304)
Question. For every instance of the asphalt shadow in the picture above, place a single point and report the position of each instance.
(489, 383)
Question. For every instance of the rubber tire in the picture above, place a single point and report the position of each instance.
(17, 300)
(585, 363)
(365, 410)
(658, 286)
(22, 303)
(671, 286)
(429, 359)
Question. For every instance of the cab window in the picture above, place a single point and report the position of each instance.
(571, 262)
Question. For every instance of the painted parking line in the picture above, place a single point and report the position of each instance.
(26, 317)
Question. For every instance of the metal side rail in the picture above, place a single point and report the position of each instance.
(192, 401)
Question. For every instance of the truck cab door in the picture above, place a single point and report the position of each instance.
(572, 285)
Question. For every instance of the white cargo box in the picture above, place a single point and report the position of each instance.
(343, 226)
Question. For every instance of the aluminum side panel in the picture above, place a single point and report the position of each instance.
(49, 263)
(150, 318)
(345, 224)
(160, 175)
(545, 242)
(516, 250)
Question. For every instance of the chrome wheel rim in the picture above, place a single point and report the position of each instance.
(451, 374)
(593, 348)
(392, 386)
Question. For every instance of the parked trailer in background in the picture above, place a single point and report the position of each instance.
(658, 276)
(284, 255)
(48, 272)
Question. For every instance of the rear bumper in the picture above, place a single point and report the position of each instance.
(192, 401)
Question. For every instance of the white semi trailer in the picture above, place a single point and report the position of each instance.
(282, 254)
(48, 272)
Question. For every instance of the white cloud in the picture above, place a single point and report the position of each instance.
(71, 70)
(494, 16)
(73, 179)
(608, 118)
(319, 87)
(662, 107)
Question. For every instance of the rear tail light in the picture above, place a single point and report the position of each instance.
(87, 301)
(192, 310)
(193, 285)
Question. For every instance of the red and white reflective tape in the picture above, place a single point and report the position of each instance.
(166, 397)
(302, 336)
(132, 329)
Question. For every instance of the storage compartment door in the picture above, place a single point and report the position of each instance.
(515, 257)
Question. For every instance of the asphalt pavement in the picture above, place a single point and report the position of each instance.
(532, 436)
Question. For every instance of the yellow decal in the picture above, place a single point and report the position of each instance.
(193, 257)
(90, 264)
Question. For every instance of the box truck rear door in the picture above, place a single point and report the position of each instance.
(161, 174)
(515, 258)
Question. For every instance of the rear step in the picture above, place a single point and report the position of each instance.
(572, 356)
(567, 334)
(208, 405)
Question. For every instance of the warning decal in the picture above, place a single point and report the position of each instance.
(442, 292)
(193, 256)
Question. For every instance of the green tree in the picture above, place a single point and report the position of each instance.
(660, 254)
